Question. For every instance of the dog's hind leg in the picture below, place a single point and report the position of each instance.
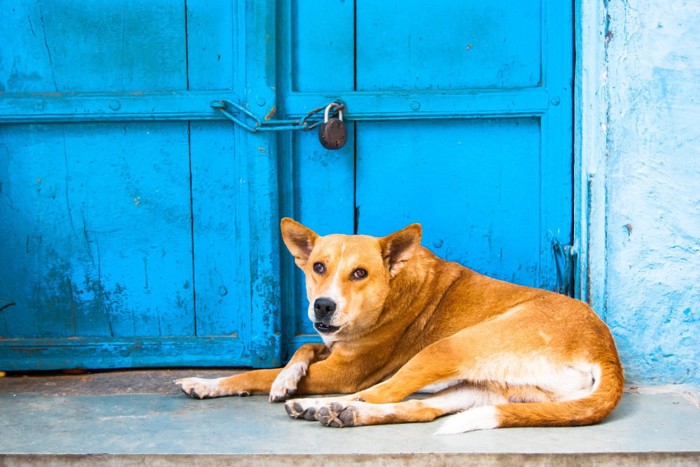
(346, 413)
(507, 349)
(478, 400)
(419, 372)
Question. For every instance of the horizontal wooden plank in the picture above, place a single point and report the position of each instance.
(195, 105)
(110, 106)
(104, 352)
(430, 104)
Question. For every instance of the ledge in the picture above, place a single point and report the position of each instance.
(137, 417)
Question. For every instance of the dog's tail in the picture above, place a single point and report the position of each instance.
(587, 410)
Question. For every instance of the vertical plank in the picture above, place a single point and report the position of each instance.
(211, 41)
(260, 148)
(219, 181)
(319, 46)
(316, 185)
(557, 134)
(221, 231)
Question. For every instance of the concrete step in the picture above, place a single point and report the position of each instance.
(140, 418)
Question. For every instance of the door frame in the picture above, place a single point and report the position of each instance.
(590, 147)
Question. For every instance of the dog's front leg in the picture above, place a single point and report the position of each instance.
(332, 376)
(286, 382)
(278, 382)
(244, 384)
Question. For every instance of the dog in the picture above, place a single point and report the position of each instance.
(395, 319)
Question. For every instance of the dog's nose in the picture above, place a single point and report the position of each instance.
(323, 308)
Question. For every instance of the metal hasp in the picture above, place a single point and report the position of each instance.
(238, 114)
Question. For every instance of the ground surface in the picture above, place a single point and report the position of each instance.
(132, 417)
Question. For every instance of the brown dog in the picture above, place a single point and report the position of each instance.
(396, 319)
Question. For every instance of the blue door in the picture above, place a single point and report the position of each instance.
(139, 226)
(460, 119)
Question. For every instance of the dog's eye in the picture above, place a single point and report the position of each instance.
(359, 273)
(319, 268)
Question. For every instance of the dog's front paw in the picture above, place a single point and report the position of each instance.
(200, 388)
(286, 382)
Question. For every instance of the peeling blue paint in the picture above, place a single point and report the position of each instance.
(652, 192)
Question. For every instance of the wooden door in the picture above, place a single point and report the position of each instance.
(137, 223)
(139, 227)
(460, 119)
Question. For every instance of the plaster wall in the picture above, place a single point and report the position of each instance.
(651, 80)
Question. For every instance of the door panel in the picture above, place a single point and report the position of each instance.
(320, 36)
(453, 44)
(98, 236)
(476, 192)
(212, 42)
(220, 225)
(71, 45)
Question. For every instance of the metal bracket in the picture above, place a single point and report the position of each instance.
(565, 258)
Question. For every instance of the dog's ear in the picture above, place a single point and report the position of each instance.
(400, 246)
(299, 240)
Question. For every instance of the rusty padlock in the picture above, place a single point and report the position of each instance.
(332, 132)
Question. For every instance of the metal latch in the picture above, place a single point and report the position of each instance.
(247, 120)
(565, 258)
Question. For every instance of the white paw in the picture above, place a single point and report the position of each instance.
(200, 388)
(286, 382)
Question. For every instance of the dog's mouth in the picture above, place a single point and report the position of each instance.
(325, 328)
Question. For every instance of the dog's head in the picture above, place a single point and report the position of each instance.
(348, 276)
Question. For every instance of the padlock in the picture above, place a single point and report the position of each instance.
(332, 132)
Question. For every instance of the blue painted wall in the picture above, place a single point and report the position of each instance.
(646, 269)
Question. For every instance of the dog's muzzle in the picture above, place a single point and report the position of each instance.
(324, 308)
